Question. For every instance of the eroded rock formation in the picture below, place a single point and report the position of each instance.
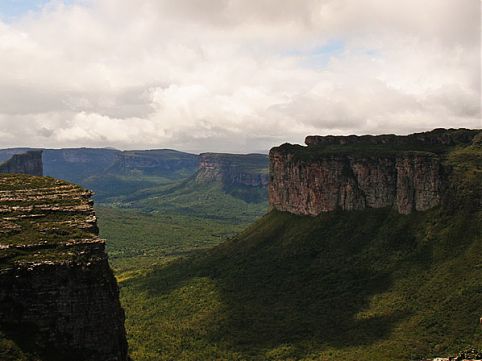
(354, 173)
(26, 163)
(233, 169)
(58, 296)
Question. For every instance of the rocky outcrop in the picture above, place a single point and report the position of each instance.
(409, 182)
(354, 173)
(26, 163)
(59, 299)
(233, 169)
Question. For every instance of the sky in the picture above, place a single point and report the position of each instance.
(233, 75)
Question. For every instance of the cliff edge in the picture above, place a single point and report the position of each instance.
(406, 173)
(59, 299)
(233, 169)
(25, 163)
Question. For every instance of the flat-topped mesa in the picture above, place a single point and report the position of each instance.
(58, 294)
(25, 163)
(233, 169)
(355, 173)
(444, 137)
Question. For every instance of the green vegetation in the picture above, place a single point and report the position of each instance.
(39, 215)
(138, 240)
(198, 283)
(312, 288)
(370, 285)
(208, 201)
(364, 146)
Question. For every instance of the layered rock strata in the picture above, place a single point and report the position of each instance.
(58, 297)
(234, 169)
(409, 182)
(25, 163)
(354, 173)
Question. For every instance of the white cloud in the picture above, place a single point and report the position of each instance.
(236, 75)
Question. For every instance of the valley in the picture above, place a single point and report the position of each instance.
(368, 250)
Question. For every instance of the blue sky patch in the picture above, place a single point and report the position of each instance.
(12, 9)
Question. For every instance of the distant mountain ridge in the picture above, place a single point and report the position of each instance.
(110, 172)
(165, 179)
(29, 162)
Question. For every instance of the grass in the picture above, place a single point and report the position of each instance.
(298, 288)
(369, 285)
(208, 201)
(198, 283)
(138, 240)
(42, 213)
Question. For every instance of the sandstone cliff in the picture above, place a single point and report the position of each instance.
(233, 169)
(26, 163)
(58, 297)
(354, 173)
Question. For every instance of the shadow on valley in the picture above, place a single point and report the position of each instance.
(292, 280)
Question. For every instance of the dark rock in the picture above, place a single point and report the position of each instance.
(58, 296)
(233, 169)
(26, 163)
(435, 137)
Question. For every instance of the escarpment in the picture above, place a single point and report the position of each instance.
(353, 173)
(25, 163)
(59, 299)
(234, 169)
(162, 162)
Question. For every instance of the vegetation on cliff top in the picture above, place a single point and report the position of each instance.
(38, 216)
(369, 285)
(399, 145)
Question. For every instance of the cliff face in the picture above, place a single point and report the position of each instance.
(232, 169)
(347, 173)
(26, 163)
(410, 182)
(58, 297)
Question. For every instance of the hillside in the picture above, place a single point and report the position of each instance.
(226, 187)
(369, 284)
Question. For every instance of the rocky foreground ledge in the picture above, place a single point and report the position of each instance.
(58, 296)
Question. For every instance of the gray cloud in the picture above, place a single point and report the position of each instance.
(236, 75)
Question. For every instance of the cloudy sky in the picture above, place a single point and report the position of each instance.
(233, 75)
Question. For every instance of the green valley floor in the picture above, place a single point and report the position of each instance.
(389, 287)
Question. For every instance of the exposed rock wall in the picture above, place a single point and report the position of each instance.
(357, 172)
(230, 169)
(407, 183)
(58, 296)
(26, 163)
